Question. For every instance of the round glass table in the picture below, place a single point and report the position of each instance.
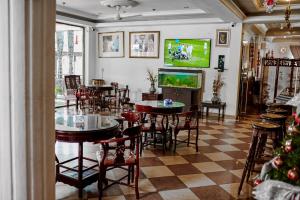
(79, 129)
(159, 107)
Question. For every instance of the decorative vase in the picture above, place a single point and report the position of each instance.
(215, 99)
(152, 89)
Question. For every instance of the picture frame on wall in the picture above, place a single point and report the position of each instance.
(144, 44)
(111, 45)
(223, 38)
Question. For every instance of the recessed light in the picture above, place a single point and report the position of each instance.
(153, 9)
(186, 7)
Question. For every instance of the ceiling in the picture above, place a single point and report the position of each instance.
(148, 10)
(251, 12)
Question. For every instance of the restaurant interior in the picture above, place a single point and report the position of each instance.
(149, 99)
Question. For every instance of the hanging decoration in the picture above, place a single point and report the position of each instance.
(287, 16)
(269, 5)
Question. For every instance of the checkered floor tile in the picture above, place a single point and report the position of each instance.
(212, 173)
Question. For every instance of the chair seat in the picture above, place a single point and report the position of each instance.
(146, 128)
(182, 126)
(111, 160)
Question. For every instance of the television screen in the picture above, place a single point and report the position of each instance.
(179, 79)
(194, 53)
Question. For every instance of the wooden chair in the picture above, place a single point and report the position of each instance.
(72, 84)
(124, 100)
(155, 132)
(119, 158)
(261, 131)
(132, 118)
(189, 122)
(113, 96)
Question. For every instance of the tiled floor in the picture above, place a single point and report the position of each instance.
(211, 174)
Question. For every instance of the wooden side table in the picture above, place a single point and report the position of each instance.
(149, 96)
(209, 104)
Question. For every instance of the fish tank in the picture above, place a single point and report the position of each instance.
(190, 79)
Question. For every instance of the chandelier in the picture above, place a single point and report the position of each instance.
(269, 5)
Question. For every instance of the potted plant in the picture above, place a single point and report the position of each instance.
(217, 84)
(152, 78)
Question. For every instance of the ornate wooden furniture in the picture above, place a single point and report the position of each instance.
(159, 120)
(149, 96)
(182, 85)
(97, 82)
(276, 119)
(209, 104)
(120, 158)
(99, 95)
(79, 129)
(261, 130)
(72, 83)
(186, 121)
(278, 63)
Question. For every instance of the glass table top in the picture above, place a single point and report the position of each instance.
(81, 123)
(160, 104)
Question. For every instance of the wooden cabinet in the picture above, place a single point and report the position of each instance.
(155, 96)
(187, 96)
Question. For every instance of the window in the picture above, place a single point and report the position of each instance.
(69, 53)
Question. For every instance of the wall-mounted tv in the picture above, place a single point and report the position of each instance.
(190, 79)
(193, 53)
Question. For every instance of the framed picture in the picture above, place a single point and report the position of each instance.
(111, 45)
(144, 44)
(223, 38)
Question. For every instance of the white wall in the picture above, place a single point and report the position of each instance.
(132, 71)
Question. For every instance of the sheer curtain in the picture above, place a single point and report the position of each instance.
(295, 51)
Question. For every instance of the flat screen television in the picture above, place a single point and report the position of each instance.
(193, 53)
(188, 79)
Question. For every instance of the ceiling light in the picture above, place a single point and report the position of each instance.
(120, 3)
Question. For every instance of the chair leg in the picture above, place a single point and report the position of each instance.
(136, 184)
(100, 182)
(129, 174)
(189, 137)
(248, 162)
(197, 136)
(132, 173)
(175, 140)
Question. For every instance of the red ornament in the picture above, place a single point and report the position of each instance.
(293, 174)
(288, 148)
(257, 182)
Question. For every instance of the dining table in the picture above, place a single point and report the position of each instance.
(97, 89)
(159, 106)
(80, 128)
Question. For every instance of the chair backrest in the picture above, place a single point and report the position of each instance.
(124, 95)
(115, 86)
(190, 118)
(131, 117)
(132, 135)
(72, 82)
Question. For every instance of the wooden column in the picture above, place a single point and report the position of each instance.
(276, 82)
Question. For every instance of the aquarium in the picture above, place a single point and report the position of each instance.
(179, 79)
(193, 53)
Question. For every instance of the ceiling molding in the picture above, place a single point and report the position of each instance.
(234, 8)
(277, 32)
(270, 19)
(289, 40)
(161, 22)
